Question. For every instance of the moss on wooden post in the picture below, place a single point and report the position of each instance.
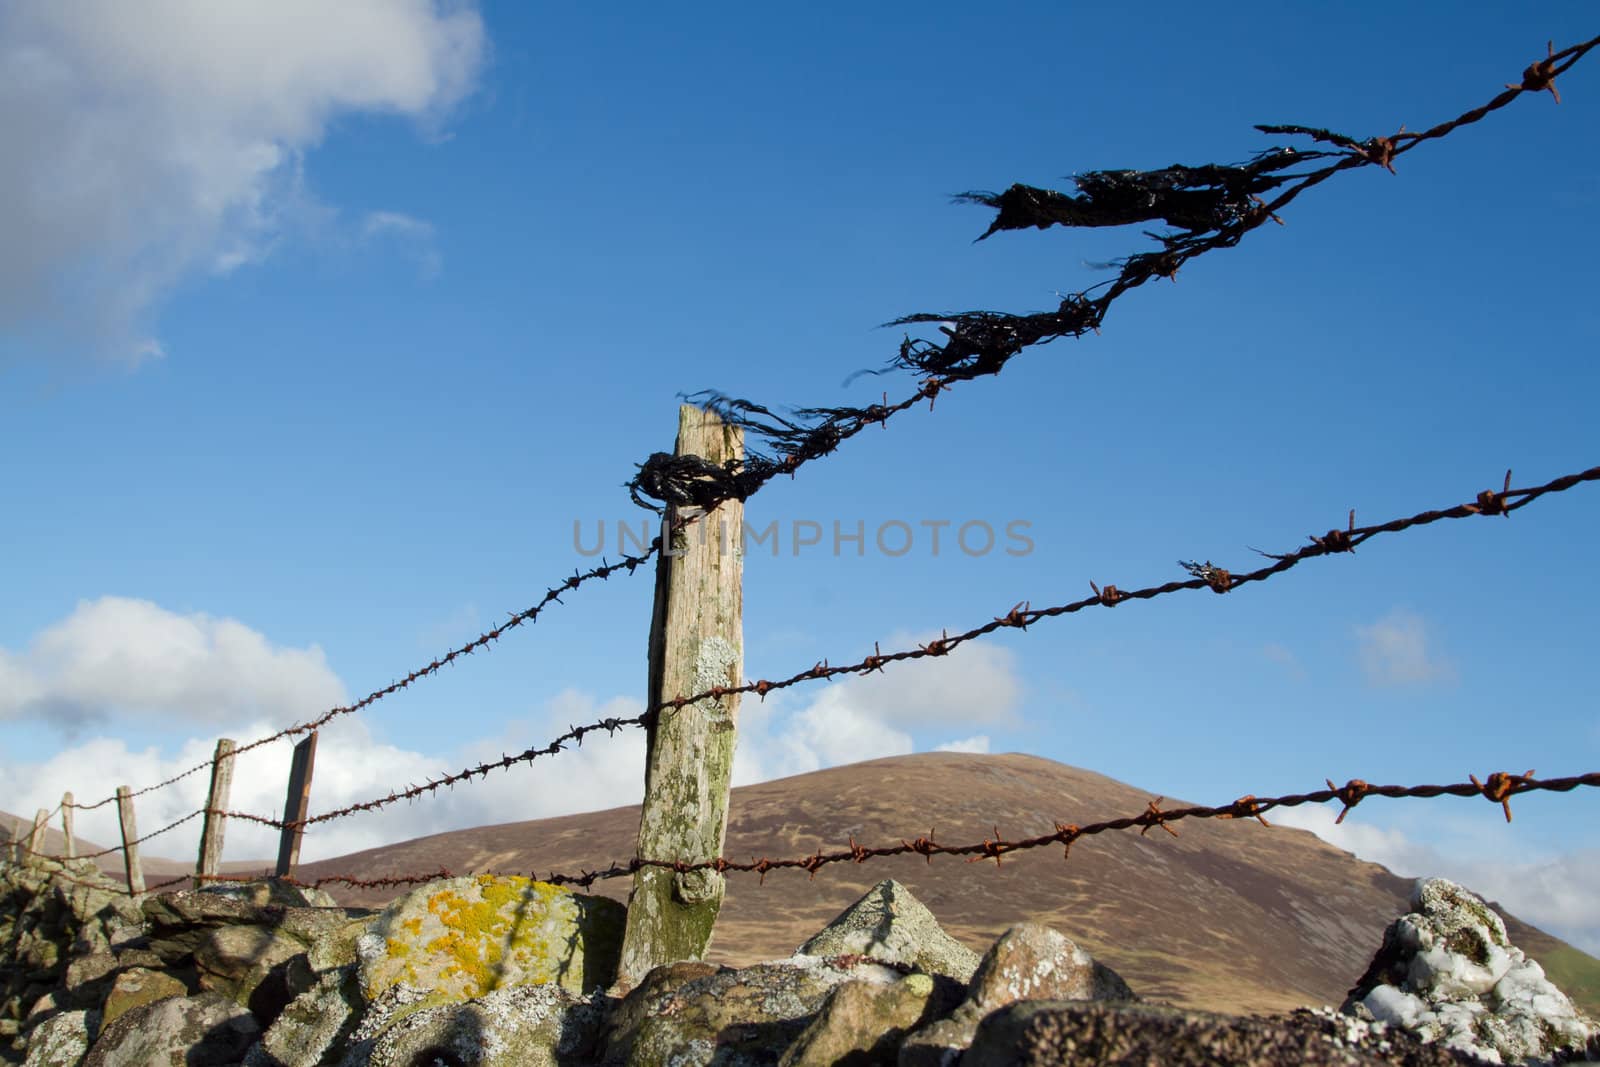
(696, 643)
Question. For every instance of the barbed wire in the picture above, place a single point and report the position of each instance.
(1498, 788)
(1215, 205)
(552, 595)
(1217, 579)
(1021, 616)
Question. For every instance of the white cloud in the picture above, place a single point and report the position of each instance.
(1397, 650)
(1553, 892)
(976, 743)
(131, 657)
(140, 143)
(351, 765)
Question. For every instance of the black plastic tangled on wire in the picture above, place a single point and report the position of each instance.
(1209, 207)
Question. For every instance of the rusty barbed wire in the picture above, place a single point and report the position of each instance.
(1498, 788)
(1214, 205)
(552, 595)
(1020, 617)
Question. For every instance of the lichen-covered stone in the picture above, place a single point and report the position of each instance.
(691, 1014)
(315, 1026)
(206, 1030)
(465, 937)
(1030, 961)
(523, 1026)
(861, 1023)
(1448, 973)
(136, 987)
(891, 925)
(62, 1040)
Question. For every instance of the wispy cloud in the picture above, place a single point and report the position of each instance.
(1284, 656)
(413, 237)
(1398, 650)
(143, 143)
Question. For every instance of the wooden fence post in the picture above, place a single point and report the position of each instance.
(696, 643)
(296, 803)
(41, 820)
(15, 844)
(211, 834)
(66, 825)
(130, 838)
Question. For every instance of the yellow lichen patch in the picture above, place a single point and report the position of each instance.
(469, 937)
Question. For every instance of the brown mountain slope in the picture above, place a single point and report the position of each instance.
(1229, 916)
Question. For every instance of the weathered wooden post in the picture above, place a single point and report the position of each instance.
(696, 643)
(295, 805)
(41, 819)
(130, 846)
(211, 833)
(17, 839)
(66, 825)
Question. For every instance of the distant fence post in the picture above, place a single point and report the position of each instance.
(66, 826)
(41, 820)
(17, 839)
(696, 643)
(211, 834)
(295, 804)
(130, 838)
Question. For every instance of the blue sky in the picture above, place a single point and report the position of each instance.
(317, 336)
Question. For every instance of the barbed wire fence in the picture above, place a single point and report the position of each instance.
(1211, 207)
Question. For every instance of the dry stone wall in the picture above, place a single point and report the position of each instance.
(506, 971)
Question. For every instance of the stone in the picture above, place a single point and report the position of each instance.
(246, 965)
(1044, 1033)
(1447, 972)
(518, 1026)
(136, 987)
(1030, 961)
(314, 1025)
(465, 937)
(62, 1040)
(891, 925)
(205, 1030)
(690, 1014)
(861, 1023)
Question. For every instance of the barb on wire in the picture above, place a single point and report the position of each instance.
(1211, 207)
(552, 595)
(1019, 617)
